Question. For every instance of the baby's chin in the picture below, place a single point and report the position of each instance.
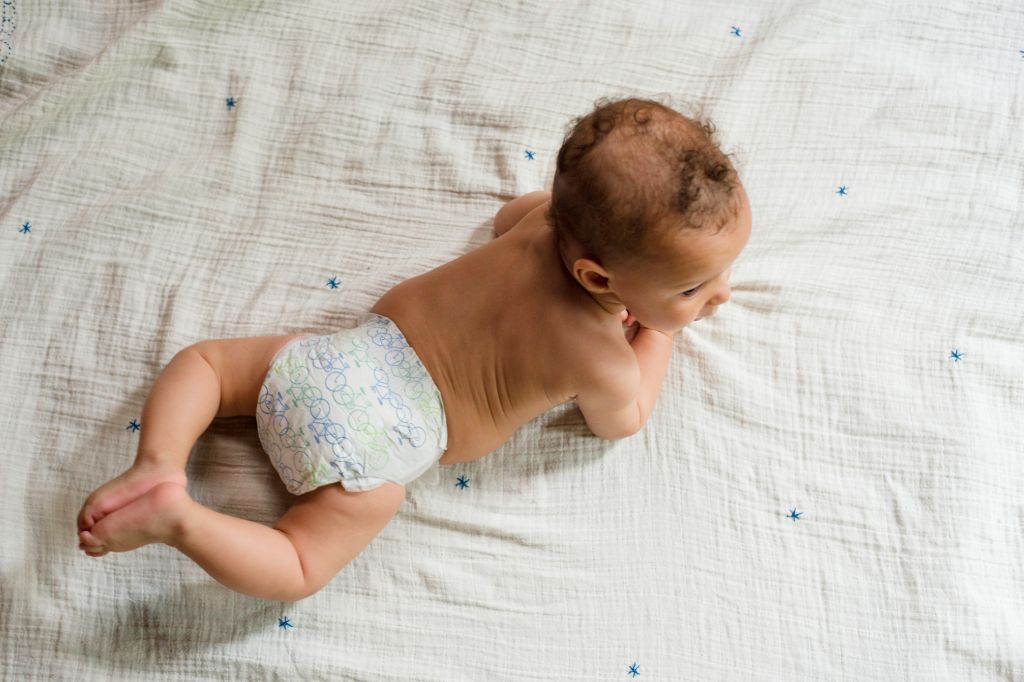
(674, 330)
(658, 327)
(668, 331)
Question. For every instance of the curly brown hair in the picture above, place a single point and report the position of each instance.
(634, 168)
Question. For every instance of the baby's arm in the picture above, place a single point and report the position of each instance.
(514, 211)
(653, 350)
(618, 397)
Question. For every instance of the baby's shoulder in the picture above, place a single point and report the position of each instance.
(597, 354)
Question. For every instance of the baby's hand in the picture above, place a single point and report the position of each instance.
(630, 326)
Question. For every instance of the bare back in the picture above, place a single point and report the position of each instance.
(504, 331)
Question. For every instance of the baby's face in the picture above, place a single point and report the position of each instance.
(691, 280)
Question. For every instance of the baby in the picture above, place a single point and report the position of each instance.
(645, 218)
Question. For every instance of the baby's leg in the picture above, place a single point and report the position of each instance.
(322, 532)
(190, 391)
(179, 407)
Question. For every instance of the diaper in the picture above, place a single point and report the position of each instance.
(356, 407)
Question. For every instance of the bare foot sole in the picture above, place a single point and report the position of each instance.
(125, 489)
(152, 517)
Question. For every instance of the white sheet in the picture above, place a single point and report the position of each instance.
(372, 143)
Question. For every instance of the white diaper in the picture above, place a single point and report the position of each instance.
(355, 407)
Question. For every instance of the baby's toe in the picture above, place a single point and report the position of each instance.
(88, 541)
(89, 515)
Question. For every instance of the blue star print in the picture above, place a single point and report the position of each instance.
(794, 514)
(530, 154)
(634, 670)
(231, 102)
(134, 426)
(736, 31)
(842, 190)
(956, 355)
(333, 282)
(463, 482)
(284, 623)
(26, 228)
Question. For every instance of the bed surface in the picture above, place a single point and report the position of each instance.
(830, 486)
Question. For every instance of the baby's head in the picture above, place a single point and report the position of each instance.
(649, 213)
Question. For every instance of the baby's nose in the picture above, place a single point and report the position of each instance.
(723, 294)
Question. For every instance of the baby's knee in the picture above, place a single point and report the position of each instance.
(313, 577)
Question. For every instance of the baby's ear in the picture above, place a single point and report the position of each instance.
(591, 276)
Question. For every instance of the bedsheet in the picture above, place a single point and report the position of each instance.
(830, 485)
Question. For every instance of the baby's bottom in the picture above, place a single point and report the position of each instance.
(321, 532)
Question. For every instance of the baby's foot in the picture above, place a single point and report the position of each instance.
(155, 516)
(125, 489)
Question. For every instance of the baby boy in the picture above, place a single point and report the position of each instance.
(644, 220)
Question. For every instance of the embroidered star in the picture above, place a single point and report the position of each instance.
(955, 355)
(735, 31)
(530, 154)
(333, 282)
(463, 482)
(26, 228)
(134, 426)
(284, 623)
(794, 514)
(231, 102)
(634, 670)
(842, 190)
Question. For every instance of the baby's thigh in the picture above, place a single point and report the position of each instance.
(329, 526)
(241, 365)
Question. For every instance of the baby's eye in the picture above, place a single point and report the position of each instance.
(690, 292)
